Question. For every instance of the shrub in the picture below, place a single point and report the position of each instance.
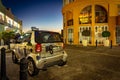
(105, 34)
(8, 35)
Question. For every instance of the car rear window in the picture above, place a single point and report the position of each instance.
(47, 37)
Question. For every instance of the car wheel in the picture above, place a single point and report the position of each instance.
(62, 63)
(14, 58)
(32, 70)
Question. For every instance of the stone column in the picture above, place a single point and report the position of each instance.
(75, 25)
(112, 28)
(93, 25)
(113, 12)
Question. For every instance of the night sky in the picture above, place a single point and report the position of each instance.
(44, 14)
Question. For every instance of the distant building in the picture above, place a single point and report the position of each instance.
(8, 22)
(93, 15)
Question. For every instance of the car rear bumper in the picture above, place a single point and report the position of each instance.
(44, 61)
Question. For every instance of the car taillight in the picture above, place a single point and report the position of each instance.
(38, 48)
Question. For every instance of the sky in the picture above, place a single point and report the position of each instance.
(44, 14)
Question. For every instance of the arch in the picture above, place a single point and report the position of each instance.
(85, 15)
(101, 15)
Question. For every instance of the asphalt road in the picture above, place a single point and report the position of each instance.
(84, 63)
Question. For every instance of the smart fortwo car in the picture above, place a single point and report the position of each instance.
(41, 49)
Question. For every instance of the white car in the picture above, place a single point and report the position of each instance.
(41, 48)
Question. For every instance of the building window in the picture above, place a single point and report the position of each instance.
(69, 18)
(70, 22)
(118, 34)
(100, 14)
(65, 2)
(85, 16)
(70, 35)
(71, 1)
(1, 17)
(9, 23)
(81, 37)
(98, 33)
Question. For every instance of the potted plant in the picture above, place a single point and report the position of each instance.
(85, 33)
(106, 34)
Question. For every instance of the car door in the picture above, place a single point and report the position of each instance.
(22, 45)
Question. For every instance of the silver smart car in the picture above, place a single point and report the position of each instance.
(41, 48)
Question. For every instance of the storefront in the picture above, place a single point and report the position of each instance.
(93, 16)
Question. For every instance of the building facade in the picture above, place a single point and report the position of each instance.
(93, 15)
(9, 22)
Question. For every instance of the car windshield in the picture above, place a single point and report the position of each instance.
(47, 37)
(24, 38)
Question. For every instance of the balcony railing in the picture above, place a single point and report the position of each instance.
(70, 22)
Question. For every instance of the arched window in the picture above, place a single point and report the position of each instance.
(85, 15)
(100, 14)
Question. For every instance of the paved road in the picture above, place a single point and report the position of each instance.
(84, 63)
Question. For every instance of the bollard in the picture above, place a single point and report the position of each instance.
(23, 69)
(111, 44)
(96, 43)
(70, 41)
(3, 64)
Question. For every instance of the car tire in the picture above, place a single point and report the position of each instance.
(62, 63)
(32, 70)
(14, 58)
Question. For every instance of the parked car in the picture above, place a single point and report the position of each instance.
(41, 48)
